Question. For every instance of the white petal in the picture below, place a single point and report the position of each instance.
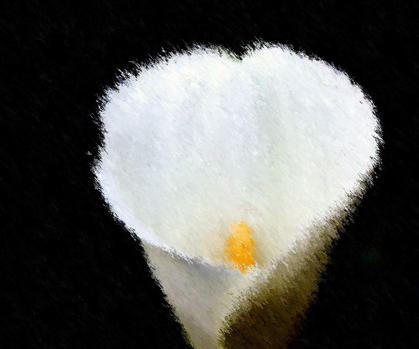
(200, 141)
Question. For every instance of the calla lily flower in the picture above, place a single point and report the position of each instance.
(234, 173)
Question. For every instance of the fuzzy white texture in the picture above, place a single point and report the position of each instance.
(200, 141)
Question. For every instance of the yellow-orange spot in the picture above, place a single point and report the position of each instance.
(239, 247)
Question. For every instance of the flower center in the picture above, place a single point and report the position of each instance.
(239, 247)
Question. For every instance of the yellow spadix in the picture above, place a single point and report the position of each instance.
(240, 247)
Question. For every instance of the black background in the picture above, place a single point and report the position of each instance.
(72, 277)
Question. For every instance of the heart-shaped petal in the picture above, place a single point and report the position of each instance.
(273, 144)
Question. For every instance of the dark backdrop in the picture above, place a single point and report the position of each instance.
(72, 277)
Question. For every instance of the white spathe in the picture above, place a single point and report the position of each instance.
(201, 140)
